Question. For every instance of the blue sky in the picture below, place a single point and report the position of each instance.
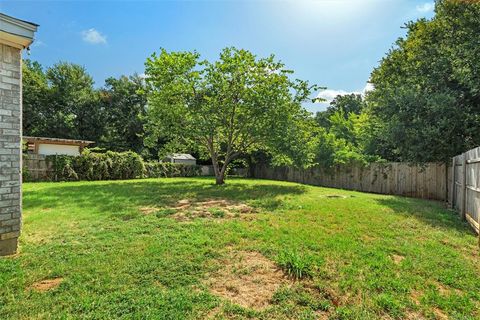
(333, 43)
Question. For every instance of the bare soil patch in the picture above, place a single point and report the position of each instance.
(247, 279)
(337, 196)
(46, 285)
(414, 315)
(439, 314)
(187, 209)
(397, 259)
(416, 296)
(148, 210)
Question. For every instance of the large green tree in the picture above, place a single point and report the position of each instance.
(35, 99)
(60, 102)
(237, 104)
(74, 104)
(124, 102)
(426, 97)
(345, 103)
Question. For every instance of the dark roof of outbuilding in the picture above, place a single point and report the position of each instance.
(59, 140)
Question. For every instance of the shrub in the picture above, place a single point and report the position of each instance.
(63, 168)
(114, 166)
(165, 212)
(295, 265)
(167, 169)
(97, 166)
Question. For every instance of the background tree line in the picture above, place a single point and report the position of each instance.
(425, 105)
(61, 102)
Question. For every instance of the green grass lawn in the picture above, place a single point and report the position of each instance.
(350, 255)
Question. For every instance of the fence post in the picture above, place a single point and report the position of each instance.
(452, 190)
(464, 186)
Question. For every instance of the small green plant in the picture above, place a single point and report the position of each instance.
(165, 212)
(217, 213)
(295, 265)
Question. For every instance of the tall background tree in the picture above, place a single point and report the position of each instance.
(343, 135)
(125, 103)
(35, 99)
(60, 102)
(426, 101)
(237, 104)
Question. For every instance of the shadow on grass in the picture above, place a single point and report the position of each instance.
(432, 213)
(126, 194)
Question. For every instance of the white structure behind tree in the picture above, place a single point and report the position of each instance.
(55, 146)
(183, 158)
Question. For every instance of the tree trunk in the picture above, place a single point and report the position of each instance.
(220, 178)
(219, 174)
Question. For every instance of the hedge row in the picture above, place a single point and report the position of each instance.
(110, 166)
(166, 169)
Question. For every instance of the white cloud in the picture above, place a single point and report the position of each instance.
(330, 94)
(93, 36)
(426, 7)
(368, 87)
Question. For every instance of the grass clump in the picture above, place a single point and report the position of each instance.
(297, 266)
(165, 212)
(217, 213)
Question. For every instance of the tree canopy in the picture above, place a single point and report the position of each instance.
(424, 106)
(426, 100)
(237, 104)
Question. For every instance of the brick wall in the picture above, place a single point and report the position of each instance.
(10, 148)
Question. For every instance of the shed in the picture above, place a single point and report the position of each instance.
(183, 158)
(55, 146)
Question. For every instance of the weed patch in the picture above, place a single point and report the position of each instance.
(295, 265)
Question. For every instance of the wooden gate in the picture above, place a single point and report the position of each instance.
(465, 197)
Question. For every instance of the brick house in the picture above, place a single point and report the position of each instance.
(15, 35)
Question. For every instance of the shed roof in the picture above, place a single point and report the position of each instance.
(58, 140)
(181, 156)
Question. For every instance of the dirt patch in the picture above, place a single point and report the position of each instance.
(148, 210)
(247, 279)
(46, 285)
(211, 208)
(397, 259)
(336, 196)
(416, 296)
(322, 315)
(446, 291)
(439, 314)
(413, 315)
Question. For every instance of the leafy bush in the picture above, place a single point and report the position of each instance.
(109, 166)
(63, 168)
(167, 169)
(295, 265)
(97, 166)
(113, 166)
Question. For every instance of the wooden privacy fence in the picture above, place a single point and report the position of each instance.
(429, 181)
(465, 197)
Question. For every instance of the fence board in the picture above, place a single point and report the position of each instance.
(465, 196)
(427, 182)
